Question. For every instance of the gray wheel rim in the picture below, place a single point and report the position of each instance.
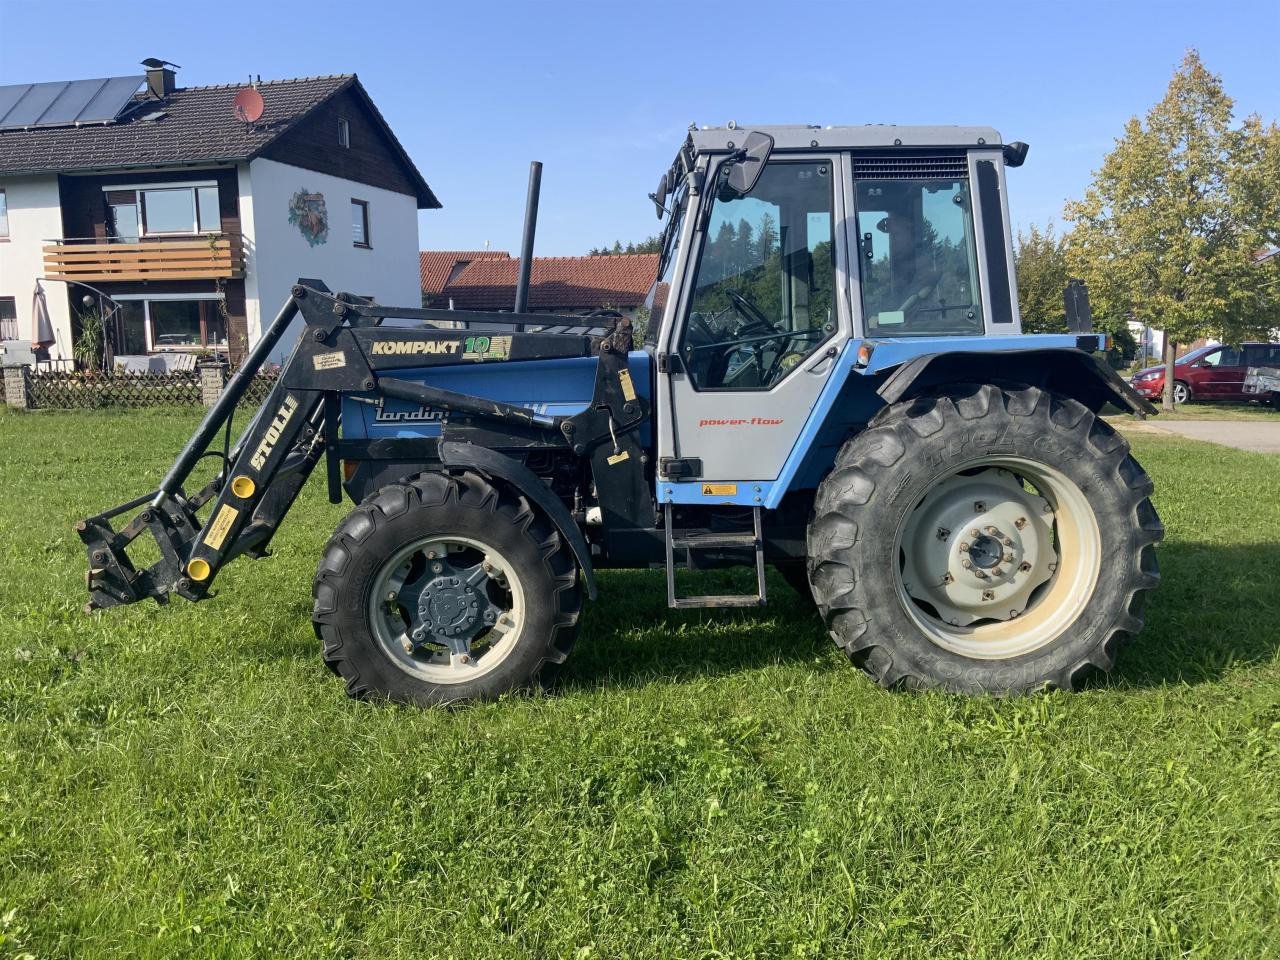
(998, 558)
(1180, 393)
(447, 609)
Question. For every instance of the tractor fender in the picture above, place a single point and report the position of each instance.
(498, 466)
(1074, 373)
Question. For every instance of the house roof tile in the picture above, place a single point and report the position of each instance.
(556, 283)
(437, 266)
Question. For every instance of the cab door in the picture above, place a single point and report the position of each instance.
(755, 336)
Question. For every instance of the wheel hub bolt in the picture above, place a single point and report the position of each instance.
(980, 574)
(964, 546)
(994, 531)
(391, 594)
(966, 563)
(1007, 542)
(1008, 558)
(464, 659)
(997, 572)
(975, 533)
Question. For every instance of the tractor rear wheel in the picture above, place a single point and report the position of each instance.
(445, 588)
(984, 540)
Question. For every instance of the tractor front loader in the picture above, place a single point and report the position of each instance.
(833, 381)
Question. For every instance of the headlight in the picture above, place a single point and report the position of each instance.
(1144, 377)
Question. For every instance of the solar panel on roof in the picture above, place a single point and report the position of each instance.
(69, 103)
(63, 103)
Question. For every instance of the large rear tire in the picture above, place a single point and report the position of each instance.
(984, 540)
(445, 588)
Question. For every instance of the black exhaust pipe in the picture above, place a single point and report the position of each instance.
(530, 227)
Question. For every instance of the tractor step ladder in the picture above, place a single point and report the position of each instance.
(753, 540)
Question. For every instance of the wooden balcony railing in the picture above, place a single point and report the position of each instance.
(154, 258)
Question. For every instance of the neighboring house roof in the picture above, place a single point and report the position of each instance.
(438, 267)
(190, 125)
(556, 283)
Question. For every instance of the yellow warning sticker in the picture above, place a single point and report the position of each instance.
(618, 458)
(719, 489)
(628, 388)
(221, 524)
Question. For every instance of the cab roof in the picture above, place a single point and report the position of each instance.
(870, 135)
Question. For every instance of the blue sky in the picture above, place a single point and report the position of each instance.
(602, 92)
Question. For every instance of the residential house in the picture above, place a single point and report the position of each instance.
(486, 280)
(186, 213)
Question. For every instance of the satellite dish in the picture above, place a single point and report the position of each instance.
(247, 105)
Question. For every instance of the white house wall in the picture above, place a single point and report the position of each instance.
(279, 253)
(35, 217)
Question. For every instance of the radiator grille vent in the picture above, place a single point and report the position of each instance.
(918, 167)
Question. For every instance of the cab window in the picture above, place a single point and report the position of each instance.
(763, 294)
(919, 271)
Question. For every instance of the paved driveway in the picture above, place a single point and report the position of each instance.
(1262, 436)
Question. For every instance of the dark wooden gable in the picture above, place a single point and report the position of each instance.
(372, 158)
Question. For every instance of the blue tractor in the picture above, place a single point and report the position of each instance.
(832, 380)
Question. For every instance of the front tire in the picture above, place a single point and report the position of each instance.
(1181, 392)
(445, 588)
(984, 541)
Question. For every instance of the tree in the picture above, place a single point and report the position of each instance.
(651, 244)
(1169, 229)
(1041, 263)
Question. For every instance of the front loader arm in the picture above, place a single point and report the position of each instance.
(247, 500)
(343, 351)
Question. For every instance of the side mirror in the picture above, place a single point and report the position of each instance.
(749, 163)
(659, 196)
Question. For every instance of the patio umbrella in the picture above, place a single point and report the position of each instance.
(41, 326)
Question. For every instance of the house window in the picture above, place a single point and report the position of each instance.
(360, 223)
(163, 325)
(344, 132)
(4, 217)
(148, 211)
(8, 318)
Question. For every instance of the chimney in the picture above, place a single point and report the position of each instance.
(160, 77)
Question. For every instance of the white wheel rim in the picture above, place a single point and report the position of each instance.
(998, 558)
(394, 613)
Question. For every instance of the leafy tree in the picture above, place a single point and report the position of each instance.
(1169, 230)
(651, 244)
(1041, 263)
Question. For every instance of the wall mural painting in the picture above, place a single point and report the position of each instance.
(307, 212)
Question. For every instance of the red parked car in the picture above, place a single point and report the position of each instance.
(1210, 373)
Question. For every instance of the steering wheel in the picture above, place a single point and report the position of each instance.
(750, 312)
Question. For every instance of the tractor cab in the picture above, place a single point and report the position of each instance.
(785, 250)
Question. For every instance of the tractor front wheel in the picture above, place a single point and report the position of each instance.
(445, 588)
(984, 540)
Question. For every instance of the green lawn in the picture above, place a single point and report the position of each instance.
(191, 781)
(1222, 410)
